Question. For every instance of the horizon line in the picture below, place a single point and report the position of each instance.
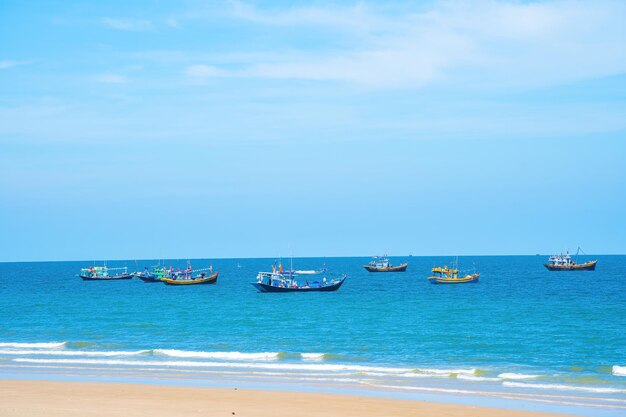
(295, 257)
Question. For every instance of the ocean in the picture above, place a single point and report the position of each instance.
(521, 334)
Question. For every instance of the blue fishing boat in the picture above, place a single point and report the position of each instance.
(156, 274)
(286, 281)
(382, 264)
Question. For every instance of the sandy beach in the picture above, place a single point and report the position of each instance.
(46, 398)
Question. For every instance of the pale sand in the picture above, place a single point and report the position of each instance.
(68, 399)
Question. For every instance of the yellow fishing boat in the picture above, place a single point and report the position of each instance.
(447, 275)
(199, 279)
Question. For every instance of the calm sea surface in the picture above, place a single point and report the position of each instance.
(521, 331)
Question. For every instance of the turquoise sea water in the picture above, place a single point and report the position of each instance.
(521, 332)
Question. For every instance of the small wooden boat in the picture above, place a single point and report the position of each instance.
(101, 273)
(447, 275)
(381, 264)
(200, 279)
(278, 282)
(565, 263)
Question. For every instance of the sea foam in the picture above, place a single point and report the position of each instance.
(312, 356)
(217, 355)
(43, 345)
(73, 352)
(511, 375)
(559, 387)
(243, 365)
(619, 370)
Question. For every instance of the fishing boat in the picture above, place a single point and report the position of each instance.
(382, 264)
(286, 281)
(205, 276)
(156, 274)
(102, 273)
(565, 263)
(447, 275)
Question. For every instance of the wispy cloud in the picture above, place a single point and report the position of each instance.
(495, 42)
(132, 25)
(5, 64)
(205, 71)
(111, 78)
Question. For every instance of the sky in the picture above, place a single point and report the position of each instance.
(210, 129)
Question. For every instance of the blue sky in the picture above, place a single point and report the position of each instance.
(156, 129)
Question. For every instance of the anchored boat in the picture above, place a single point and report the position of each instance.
(189, 279)
(447, 275)
(381, 264)
(102, 273)
(565, 263)
(154, 275)
(280, 281)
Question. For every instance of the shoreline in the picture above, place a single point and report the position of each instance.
(30, 398)
(545, 403)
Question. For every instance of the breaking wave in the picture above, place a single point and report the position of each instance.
(44, 345)
(619, 370)
(217, 355)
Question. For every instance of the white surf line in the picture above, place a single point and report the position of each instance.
(520, 394)
(107, 353)
(561, 387)
(508, 396)
(175, 353)
(199, 364)
(38, 345)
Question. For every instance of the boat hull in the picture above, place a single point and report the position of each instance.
(149, 279)
(469, 279)
(399, 268)
(325, 288)
(203, 281)
(587, 266)
(110, 278)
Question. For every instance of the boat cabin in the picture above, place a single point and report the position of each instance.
(445, 272)
(380, 262)
(561, 260)
(101, 271)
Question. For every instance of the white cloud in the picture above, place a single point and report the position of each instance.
(484, 42)
(204, 71)
(111, 78)
(10, 64)
(132, 25)
(358, 17)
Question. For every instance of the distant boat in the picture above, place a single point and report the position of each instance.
(381, 264)
(565, 263)
(447, 275)
(279, 281)
(199, 279)
(102, 273)
(156, 274)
